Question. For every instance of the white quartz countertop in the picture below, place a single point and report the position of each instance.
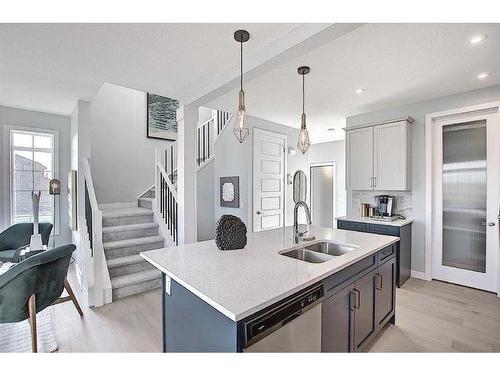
(239, 283)
(395, 223)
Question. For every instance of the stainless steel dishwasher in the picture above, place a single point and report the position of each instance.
(292, 326)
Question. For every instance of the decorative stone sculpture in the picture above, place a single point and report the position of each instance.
(36, 238)
(231, 233)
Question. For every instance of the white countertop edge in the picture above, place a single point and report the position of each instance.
(237, 317)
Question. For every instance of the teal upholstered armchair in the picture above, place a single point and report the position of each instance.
(32, 285)
(18, 236)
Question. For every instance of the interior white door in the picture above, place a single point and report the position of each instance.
(466, 171)
(322, 178)
(390, 150)
(268, 179)
(359, 153)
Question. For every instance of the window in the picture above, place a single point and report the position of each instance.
(32, 167)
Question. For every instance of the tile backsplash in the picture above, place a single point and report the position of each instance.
(403, 201)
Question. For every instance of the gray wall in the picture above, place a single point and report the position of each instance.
(418, 112)
(332, 152)
(36, 120)
(122, 158)
(235, 159)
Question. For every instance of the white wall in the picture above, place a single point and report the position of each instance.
(36, 120)
(418, 112)
(332, 152)
(235, 159)
(122, 157)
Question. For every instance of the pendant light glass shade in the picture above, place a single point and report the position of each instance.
(240, 127)
(303, 142)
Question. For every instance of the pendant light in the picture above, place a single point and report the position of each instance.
(240, 127)
(303, 142)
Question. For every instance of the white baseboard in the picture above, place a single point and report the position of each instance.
(107, 206)
(419, 275)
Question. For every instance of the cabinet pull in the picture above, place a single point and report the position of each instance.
(380, 283)
(371, 182)
(357, 295)
(375, 181)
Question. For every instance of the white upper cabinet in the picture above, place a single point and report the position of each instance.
(379, 156)
(359, 156)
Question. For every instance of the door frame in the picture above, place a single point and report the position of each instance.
(324, 164)
(251, 206)
(487, 111)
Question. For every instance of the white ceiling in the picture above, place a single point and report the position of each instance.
(397, 64)
(47, 67)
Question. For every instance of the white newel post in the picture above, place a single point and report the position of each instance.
(187, 121)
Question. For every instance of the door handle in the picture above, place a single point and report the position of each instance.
(492, 224)
(259, 212)
(380, 287)
(371, 182)
(352, 300)
(357, 298)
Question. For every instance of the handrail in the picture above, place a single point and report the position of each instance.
(93, 218)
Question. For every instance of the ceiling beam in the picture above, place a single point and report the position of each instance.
(295, 43)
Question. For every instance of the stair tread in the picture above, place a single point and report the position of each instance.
(125, 261)
(134, 278)
(125, 212)
(146, 199)
(128, 227)
(132, 242)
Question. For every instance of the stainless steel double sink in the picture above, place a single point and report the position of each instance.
(318, 252)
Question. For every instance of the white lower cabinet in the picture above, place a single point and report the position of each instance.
(379, 156)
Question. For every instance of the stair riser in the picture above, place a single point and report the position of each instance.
(126, 220)
(130, 268)
(136, 288)
(132, 250)
(146, 204)
(128, 234)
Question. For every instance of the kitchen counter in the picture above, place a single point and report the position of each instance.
(395, 223)
(239, 283)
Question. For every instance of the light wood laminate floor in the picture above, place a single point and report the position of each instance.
(430, 317)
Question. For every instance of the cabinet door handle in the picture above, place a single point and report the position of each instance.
(357, 295)
(380, 286)
(371, 182)
(352, 300)
(375, 181)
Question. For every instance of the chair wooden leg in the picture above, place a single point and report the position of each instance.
(32, 321)
(72, 296)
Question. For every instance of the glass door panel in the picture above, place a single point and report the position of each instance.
(464, 196)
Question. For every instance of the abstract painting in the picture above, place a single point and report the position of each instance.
(161, 117)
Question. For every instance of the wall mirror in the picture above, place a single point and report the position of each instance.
(299, 186)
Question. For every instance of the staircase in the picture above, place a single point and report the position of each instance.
(125, 233)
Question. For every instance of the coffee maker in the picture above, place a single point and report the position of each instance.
(384, 208)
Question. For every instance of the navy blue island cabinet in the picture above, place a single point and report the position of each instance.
(403, 251)
(346, 311)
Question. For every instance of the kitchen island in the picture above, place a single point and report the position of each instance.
(210, 296)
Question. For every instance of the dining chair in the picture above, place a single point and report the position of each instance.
(18, 236)
(34, 284)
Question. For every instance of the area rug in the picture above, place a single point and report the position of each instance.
(16, 337)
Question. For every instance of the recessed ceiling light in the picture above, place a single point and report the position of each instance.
(331, 129)
(476, 39)
(360, 91)
(483, 75)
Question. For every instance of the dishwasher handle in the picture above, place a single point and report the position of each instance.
(291, 317)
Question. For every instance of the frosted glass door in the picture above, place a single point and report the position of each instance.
(464, 196)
